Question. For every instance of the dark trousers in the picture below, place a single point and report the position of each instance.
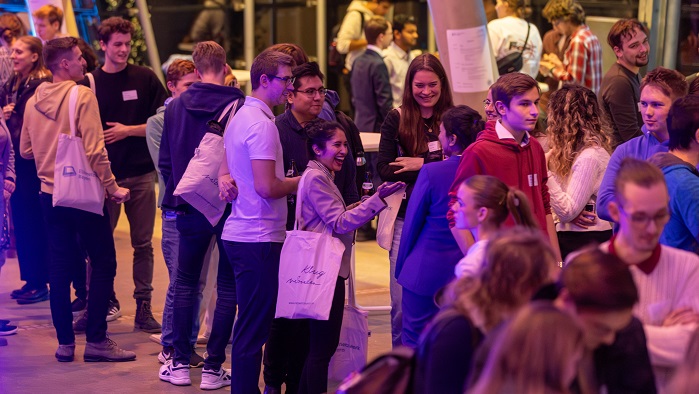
(285, 353)
(64, 226)
(324, 338)
(30, 228)
(140, 210)
(256, 269)
(570, 241)
(195, 238)
(418, 310)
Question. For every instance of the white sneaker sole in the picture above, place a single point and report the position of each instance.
(114, 316)
(214, 386)
(176, 381)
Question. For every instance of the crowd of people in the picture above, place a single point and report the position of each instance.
(528, 253)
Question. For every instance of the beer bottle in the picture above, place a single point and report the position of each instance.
(290, 173)
(367, 185)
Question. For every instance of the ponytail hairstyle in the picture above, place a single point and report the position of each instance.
(501, 201)
(319, 132)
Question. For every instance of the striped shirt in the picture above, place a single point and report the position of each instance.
(582, 61)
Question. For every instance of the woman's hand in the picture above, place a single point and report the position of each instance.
(407, 164)
(585, 219)
(387, 188)
(228, 190)
(8, 110)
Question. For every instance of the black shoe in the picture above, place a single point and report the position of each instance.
(144, 320)
(364, 234)
(195, 360)
(20, 292)
(78, 306)
(272, 390)
(33, 296)
(80, 325)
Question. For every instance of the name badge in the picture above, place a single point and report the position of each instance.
(129, 95)
(533, 180)
(434, 146)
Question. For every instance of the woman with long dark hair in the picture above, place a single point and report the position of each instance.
(30, 234)
(409, 139)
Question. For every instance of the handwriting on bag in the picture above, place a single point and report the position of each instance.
(307, 271)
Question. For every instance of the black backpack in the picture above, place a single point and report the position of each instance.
(513, 62)
(336, 60)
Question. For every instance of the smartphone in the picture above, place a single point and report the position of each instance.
(591, 208)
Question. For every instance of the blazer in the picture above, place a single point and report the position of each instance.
(322, 205)
(371, 91)
(428, 251)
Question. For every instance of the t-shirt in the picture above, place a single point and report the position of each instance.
(129, 97)
(472, 264)
(621, 90)
(254, 136)
(507, 36)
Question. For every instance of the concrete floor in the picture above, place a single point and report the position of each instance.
(27, 364)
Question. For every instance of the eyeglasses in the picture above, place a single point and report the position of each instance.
(312, 92)
(287, 80)
(486, 103)
(642, 219)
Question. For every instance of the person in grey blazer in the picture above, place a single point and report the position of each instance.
(322, 205)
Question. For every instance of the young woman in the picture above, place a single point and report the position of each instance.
(322, 206)
(483, 205)
(428, 251)
(519, 262)
(509, 32)
(30, 234)
(577, 162)
(537, 352)
(409, 139)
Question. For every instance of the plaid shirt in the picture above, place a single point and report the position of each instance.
(583, 61)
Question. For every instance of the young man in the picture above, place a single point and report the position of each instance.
(679, 166)
(507, 151)
(180, 76)
(629, 40)
(128, 95)
(582, 61)
(598, 289)
(288, 338)
(398, 57)
(255, 230)
(667, 278)
(185, 125)
(350, 38)
(47, 115)
(659, 89)
(371, 85)
(48, 20)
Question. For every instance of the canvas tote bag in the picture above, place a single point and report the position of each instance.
(308, 268)
(76, 185)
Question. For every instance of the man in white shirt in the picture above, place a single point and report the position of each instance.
(667, 278)
(398, 57)
(254, 232)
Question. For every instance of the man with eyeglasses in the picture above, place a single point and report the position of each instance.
(659, 89)
(667, 278)
(255, 230)
(679, 166)
(283, 360)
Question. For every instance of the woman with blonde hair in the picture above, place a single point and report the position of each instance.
(30, 234)
(580, 151)
(537, 352)
(483, 204)
(518, 263)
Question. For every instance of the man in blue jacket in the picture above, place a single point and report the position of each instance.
(659, 89)
(184, 127)
(679, 166)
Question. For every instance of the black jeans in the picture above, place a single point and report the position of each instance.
(256, 268)
(64, 226)
(285, 353)
(570, 241)
(195, 238)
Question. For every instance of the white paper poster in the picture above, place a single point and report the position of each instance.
(469, 60)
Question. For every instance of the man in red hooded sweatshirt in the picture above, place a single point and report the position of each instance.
(507, 151)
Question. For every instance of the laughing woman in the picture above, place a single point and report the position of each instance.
(409, 139)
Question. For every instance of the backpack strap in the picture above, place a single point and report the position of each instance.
(72, 109)
(91, 79)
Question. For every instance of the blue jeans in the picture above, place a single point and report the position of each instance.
(64, 226)
(395, 288)
(195, 239)
(256, 268)
(170, 245)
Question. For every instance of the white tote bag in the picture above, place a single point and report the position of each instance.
(308, 269)
(199, 183)
(353, 348)
(387, 219)
(76, 185)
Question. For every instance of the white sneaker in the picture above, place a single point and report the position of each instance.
(165, 355)
(211, 380)
(175, 374)
(114, 311)
(155, 338)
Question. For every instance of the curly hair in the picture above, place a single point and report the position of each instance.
(575, 122)
(567, 10)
